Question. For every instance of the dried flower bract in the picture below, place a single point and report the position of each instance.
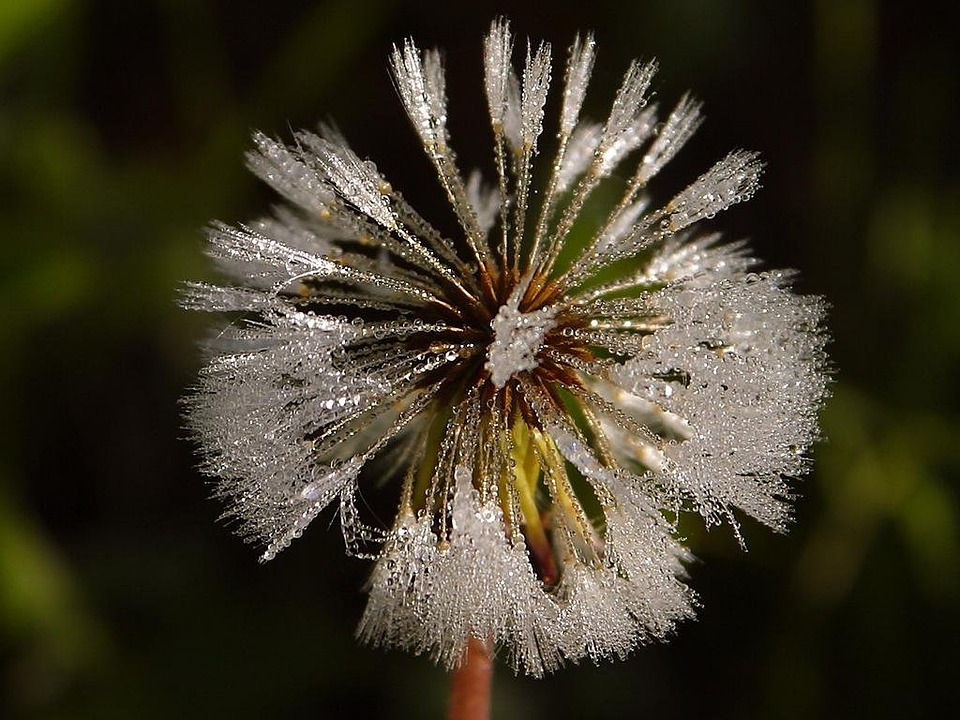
(554, 387)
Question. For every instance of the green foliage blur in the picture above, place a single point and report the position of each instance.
(122, 132)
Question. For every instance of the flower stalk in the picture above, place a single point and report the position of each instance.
(471, 684)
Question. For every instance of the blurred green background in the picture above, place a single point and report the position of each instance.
(122, 130)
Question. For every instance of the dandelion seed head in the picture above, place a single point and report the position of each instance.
(551, 401)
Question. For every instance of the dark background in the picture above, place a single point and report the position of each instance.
(122, 130)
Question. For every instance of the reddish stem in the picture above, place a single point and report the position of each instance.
(470, 684)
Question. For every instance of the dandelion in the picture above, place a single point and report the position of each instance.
(552, 387)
